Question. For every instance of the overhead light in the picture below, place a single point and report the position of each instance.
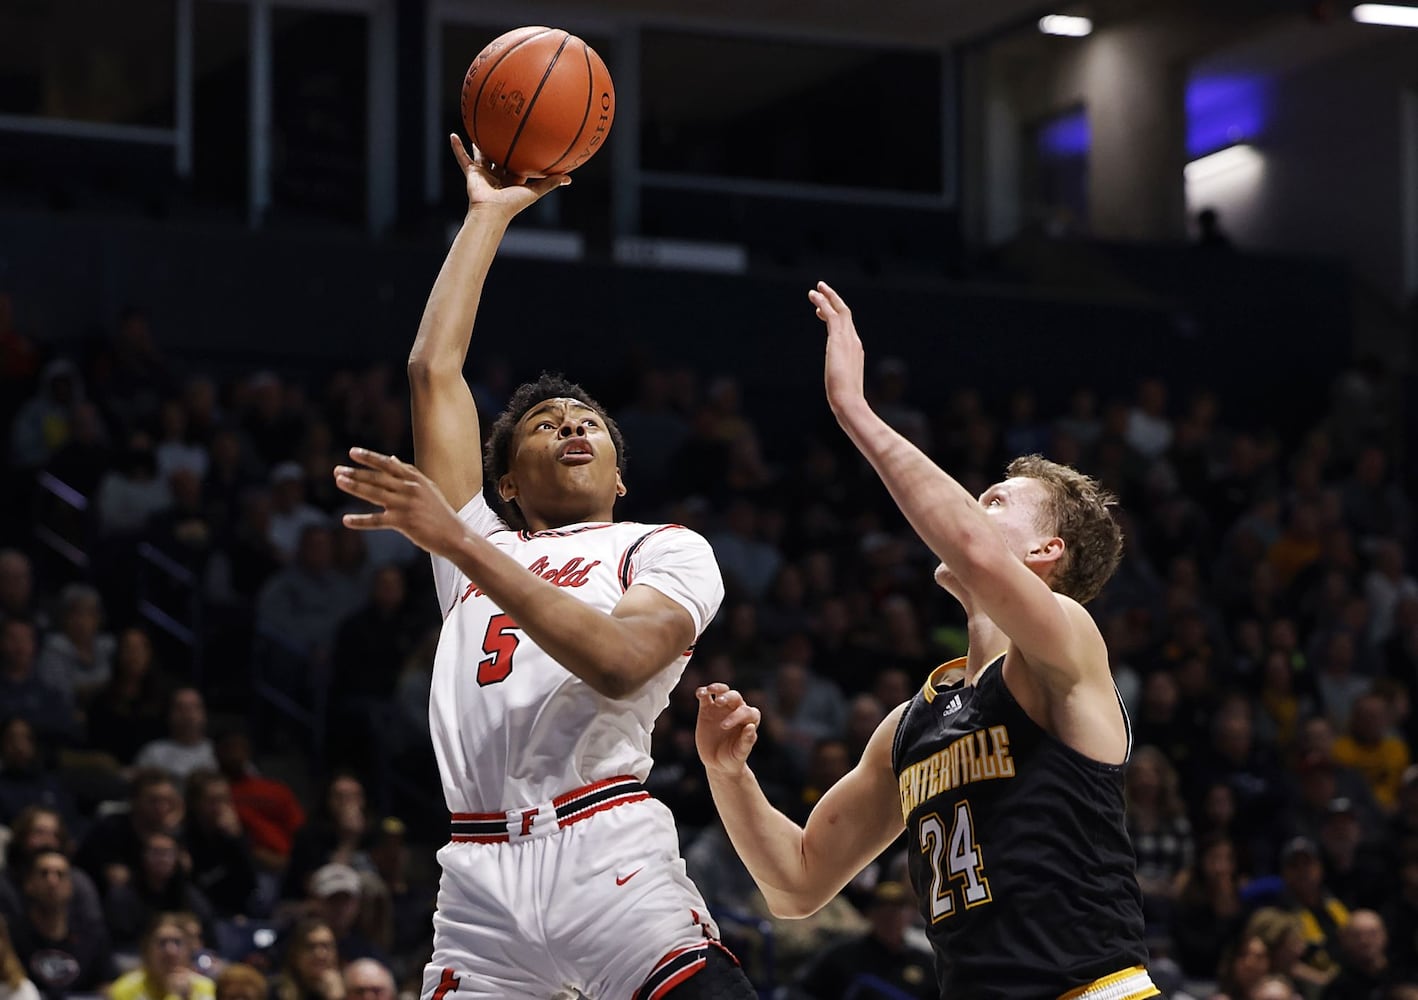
(1222, 162)
(1387, 13)
(1063, 24)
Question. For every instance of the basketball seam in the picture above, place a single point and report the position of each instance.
(532, 101)
(487, 76)
(585, 115)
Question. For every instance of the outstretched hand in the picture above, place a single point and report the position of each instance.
(845, 357)
(493, 186)
(411, 503)
(726, 730)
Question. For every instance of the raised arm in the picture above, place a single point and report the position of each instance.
(615, 654)
(1057, 637)
(447, 441)
(798, 869)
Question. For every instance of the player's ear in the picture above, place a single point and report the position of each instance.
(507, 488)
(620, 489)
(1045, 551)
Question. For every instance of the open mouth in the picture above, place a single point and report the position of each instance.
(576, 451)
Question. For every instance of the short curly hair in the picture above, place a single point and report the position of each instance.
(497, 456)
(1078, 511)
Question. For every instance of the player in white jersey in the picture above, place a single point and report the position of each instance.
(563, 634)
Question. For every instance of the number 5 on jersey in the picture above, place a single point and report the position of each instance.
(499, 644)
(962, 861)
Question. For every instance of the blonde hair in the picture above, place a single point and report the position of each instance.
(1078, 511)
(11, 971)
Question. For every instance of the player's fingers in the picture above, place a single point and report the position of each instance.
(545, 185)
(391, 464)
(745, 742)
(743, 715)
(833, 299)
(728, 700)
(365, 522)
(460, 153)
(370, 492)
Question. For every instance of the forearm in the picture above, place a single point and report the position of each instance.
(447, 324)
(769, 844)
(939, 509)
(595, 646)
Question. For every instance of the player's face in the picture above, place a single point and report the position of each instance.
(561, 451)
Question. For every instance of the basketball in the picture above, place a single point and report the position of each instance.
(538, 101)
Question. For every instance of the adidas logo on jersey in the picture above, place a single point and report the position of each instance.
(953, 705)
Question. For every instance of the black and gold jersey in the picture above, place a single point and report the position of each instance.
(1018, 847)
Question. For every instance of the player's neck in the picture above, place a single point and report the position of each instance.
(561, 519)
(987, 642)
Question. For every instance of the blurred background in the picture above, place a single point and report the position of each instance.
(1174, 244)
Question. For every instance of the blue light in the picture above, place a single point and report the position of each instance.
(1224, 110)
(1065, 136)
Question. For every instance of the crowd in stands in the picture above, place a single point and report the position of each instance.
(215, 775)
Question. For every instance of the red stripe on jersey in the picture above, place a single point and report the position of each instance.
(478, 838)
(478, 817)
(448, 982)
(677, 978)
(609, 804)
(566, 797)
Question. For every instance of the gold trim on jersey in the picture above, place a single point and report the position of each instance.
(1129, 984)
(929, 689)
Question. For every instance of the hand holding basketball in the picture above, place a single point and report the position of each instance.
(727, 729)
(488, 185)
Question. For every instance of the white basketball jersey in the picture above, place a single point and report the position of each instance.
(510, 725)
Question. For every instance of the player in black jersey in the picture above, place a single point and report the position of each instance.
(1006, 769)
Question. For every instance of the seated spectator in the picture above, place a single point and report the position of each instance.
(221, 863)
(311, 970)
(303, 604)
(1321, 915)
(34, 831)
(186, 748)
(17, 598)
(879, 964)
(366, 979)
(175, 449)
(166, 971)
(1209, 911)
(338, 895)
(341, 830)
(804, 709)
(112, 852)
(132, 491)
(24, 780)
(290, 514)
(1364, 968)
(1243, 969)
(828, 764)
(239, 981)
(1161, 833)
(1361, 874)
(1372, 749)
(24, 694)
(1284, 938)
(61, 956)
(131, 710)
(159, 885)
(269, 812)
(41, 425)
(77, 660)
(14, 984)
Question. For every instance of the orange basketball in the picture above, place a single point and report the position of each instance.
(538, 101)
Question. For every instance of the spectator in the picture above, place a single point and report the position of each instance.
(14, 984)
(221, 864)
(1364, 969)
(35, 831)
(239, 981)
(341, 830)
(166, 970)
(175, 450)
(24, 781)
(60, 956)
(367, 979)
(803, 709)
(269, 812)
(159, 884)
(1361, 877)
(1243, 969)
(290, 514)
(132, 491)
(1209, 911)
(1321, 915)
(186, 748)
(312, 967)
(42, 424)
(87, 455)
(338, 896)
(304, 603)
(24, 694)
(17, 599)
(1386, 585)
(880, 963)
(1161, 833)
(829, 763)
(1149, 431)
(77, 660)
(129, 712)
(113, 851)
(1371, 748)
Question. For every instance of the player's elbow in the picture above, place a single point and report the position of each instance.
(424, 370)
(616, 681)
(792, 906)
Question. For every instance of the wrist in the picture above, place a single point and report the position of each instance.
(488, 217)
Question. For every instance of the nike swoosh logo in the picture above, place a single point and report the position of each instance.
(622, 881)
